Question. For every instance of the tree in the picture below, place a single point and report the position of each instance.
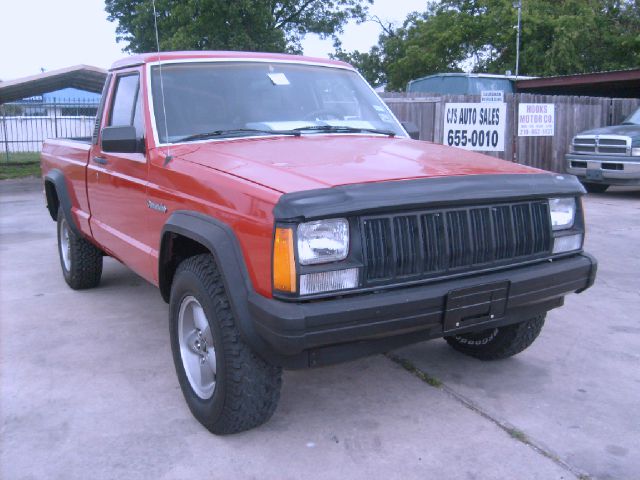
(369, 64)
(372, 64)
(557, 38)
(253, 25)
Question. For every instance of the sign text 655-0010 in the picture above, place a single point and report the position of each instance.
(475, 126)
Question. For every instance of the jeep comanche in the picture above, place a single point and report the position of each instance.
(607, 156)
(290, 222)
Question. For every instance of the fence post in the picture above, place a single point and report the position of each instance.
(55, 119)
(4, 130)
(515, 146)
(610, 112)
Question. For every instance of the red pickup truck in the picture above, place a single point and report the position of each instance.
(290, 222)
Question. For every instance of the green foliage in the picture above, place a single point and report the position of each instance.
(558, 37)
(249, 25)
(369, 63)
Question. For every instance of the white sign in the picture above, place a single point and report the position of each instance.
(488, 96)
(475, 126)
(278, 78)
(536, 119)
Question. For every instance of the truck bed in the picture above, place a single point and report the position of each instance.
(69, 157)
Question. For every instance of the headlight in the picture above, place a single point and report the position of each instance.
(323, 241)
(635, 152)
(563, 212)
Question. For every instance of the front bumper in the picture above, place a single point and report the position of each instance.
(328, 331)
(609, 169)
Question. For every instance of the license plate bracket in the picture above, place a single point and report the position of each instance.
(475, 305)
(594, 174)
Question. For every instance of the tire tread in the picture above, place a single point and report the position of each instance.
(252, 386)
(509, 341)
(86, 261)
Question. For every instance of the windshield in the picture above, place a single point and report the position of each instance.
(238, 97)
(634, 118)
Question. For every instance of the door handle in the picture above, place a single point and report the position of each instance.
(100, 160)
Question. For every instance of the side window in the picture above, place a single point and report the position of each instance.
(138, 116)
(96, 128)
(122, 109)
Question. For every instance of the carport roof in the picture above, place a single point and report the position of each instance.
(620, 83)
(83, 77)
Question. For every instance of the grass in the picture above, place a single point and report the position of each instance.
(518, 435)
(409, 367)
(20, 165)
(513, 432)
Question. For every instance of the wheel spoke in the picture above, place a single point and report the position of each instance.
(211, 360)
(192, 364)
(189, 339)
(207, 376)
(200, 318)
(65, 244)
(196, 347)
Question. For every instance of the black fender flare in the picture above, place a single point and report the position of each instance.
(223, 244)
(57, 179)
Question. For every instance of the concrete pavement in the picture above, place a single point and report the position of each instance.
(88, 388)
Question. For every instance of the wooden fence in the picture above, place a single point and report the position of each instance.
(572, 115)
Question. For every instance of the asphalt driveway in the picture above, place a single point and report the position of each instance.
(88, 388)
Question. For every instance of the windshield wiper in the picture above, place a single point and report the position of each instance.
(235, 131)
(345, 129)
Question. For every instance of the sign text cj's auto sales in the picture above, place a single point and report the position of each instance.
(475, 126)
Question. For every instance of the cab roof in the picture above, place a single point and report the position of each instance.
(142, 58)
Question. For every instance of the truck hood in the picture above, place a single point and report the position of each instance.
(291, 164)
(632, 131)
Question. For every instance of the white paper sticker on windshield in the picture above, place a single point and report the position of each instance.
(379, 108)
(278, 78)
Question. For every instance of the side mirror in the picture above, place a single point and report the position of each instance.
(412, 130)
(121, 140)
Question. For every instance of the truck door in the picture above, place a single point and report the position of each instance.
(117, 181)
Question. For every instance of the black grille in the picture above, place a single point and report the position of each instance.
(612, 141)
(414, 245)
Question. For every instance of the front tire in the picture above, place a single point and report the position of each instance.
(227, 387)
(499, 342)
(81, 261)
(595, 187)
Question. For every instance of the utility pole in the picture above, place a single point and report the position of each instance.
(519, 7)
(516, 97)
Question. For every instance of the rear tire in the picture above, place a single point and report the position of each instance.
(500, 342)
(595, 187)
(227, 387)
(81, 261)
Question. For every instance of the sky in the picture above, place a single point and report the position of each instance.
(51, 34)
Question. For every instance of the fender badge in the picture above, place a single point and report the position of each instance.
(158, 207)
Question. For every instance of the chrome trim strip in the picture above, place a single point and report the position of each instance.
(596, 145)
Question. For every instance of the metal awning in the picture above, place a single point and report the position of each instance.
(619, 84)
(83, 77)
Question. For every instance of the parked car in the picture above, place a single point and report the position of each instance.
(607, 156)
(464, 83)
(290, 222)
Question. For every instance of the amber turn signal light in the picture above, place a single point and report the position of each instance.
(284, 264)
